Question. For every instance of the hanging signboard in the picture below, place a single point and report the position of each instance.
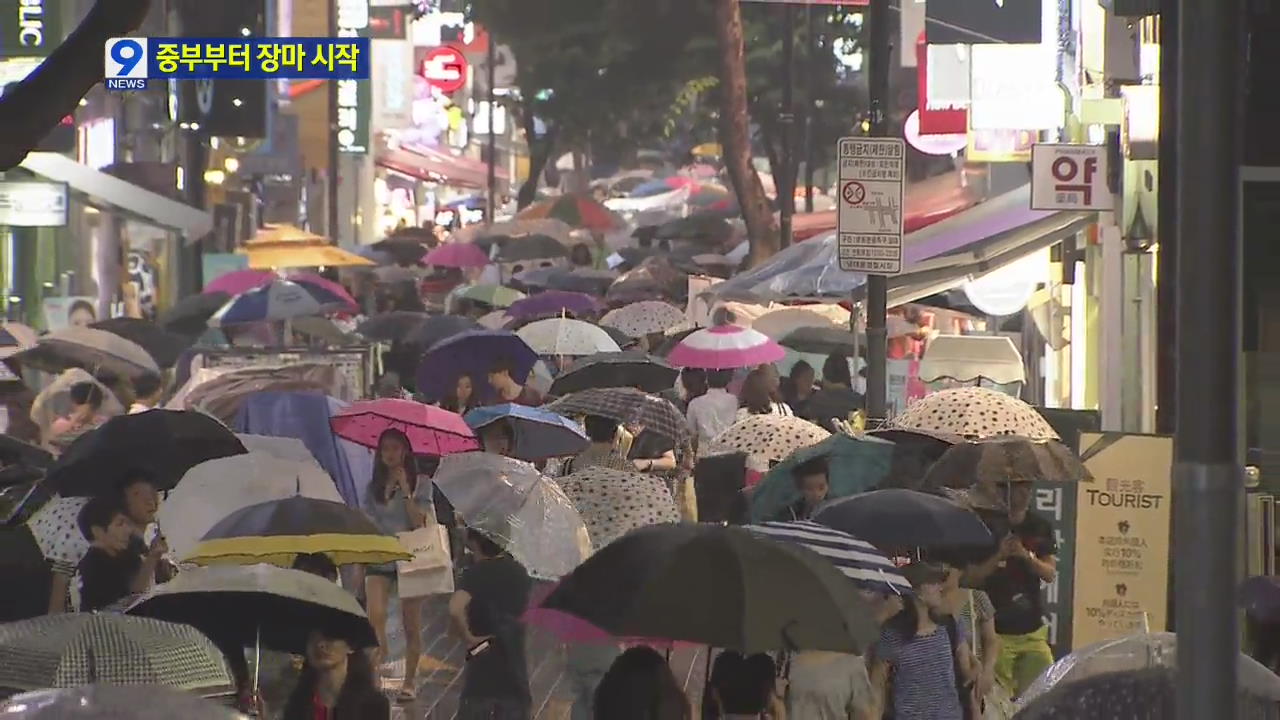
(444, 68)
(1122, 535)
(1069, 177)
(33, 204)
(29, 28)
(971, 22)
(872, 171)
(355, 97)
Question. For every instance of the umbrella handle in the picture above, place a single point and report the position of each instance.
(257, 658)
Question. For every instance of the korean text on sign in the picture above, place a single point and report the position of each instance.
(259, 58)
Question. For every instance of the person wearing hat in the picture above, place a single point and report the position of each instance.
(927, 654)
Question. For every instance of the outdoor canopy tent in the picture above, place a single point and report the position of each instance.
(103, 189)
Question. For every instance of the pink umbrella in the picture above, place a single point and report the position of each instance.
(456, 255)
(305, 278)
(431, 430)
(725, 347)
(240, 281)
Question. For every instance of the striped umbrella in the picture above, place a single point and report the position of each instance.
(859, 560)
(281, 300)
(725, 347)
(578, 211)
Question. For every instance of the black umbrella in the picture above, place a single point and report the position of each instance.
(165, 346)
(822, 341)
(583, 280)
(626, 405)
(698, 228)
(624, 340)
(394, 325)
(403, 249)
(16, 452)
(530, 247)
(622, 369)
(718, 586)
(914, 452)
(438, 328)
(163, 444)
(190, 315)
(897, 519)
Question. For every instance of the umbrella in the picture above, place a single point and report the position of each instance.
(822, 341)
(322, 329)
(238, 605)
(725, 347)
(281, 300)
(578, 211)
(854, 465)
(769, 439)
(1260, 596)
(56, 530)
(402, 249)
(1144, 694)
(240, 281)
(14, 338)
(456, 255)
(620, 369)
(498, 296)
(644, 318)
(777, 324)
(524, 512)
(395, 325)
(539, 434)
(477, 233)
(529, 247)
(436, 328)
(586, 280)
(164, 347)
(431, 430)
(93, 350)
(496, 320)
(859, 560)
(113, 702)
(470, 353)
(190, 315)
(698, 228)
(1006, 458)
(904, 519)
(81, 648)
(628, 406)
(213, 490)
(914, 452)
(277, 531)
(975, 413)
(554, 302)
(163, 444)
(719, 586)
(623, 340)
(614, 502)
(18, 452)
(565, 336)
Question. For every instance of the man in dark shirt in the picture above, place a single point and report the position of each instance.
(113, 568)
(1027, 558)
(492, 595)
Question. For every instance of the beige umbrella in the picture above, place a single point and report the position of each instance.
(777, 324)
(769, 439)
(642, 318)
(93, 350)
(565, 336)
(975, 413)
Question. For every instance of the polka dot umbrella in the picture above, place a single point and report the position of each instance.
(643, 318)
(769, 439)
(975, 413)
(614, 502)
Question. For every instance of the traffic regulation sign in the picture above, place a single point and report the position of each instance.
(444, 68)
(870, 219)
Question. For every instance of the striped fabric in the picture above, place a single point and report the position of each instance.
(860, 561)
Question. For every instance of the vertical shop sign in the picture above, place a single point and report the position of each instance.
(355, 97)
(1122, 530)
(29, 28)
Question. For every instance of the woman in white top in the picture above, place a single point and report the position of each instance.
(755, 398)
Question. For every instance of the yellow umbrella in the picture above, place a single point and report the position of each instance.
(286, 233)
(299, 254)
(708, 150)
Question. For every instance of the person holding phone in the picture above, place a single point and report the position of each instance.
(485, 612)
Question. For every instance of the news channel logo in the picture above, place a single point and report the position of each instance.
(125, 64)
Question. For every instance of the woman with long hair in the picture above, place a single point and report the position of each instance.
(336, 683)
(464, 397)
(640, 686)
(756, 398)
(398, 500)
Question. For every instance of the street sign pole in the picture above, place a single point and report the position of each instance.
(877, 295)
(491, 198)
(1208, 465)
(786, 121)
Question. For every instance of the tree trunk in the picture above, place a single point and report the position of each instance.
(539, 153)
(762, 231)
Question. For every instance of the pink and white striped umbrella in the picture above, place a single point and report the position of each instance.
(725, 347)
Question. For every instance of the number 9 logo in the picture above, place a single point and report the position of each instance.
(126, 54)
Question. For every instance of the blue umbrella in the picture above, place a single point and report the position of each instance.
(471, 353)
(539, 434)
(651, 188)
(281, 300)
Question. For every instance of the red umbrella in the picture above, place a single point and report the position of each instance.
(576, 210)
(431, 430)
(457, 255)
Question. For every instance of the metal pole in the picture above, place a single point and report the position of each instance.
(1208, 469)
(491, 202)
(811, 41)
(878, 285)
(786, 118)
(1167, 220)
(331, 188)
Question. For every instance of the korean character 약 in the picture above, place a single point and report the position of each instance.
(347, 54)
(192, 56)
(215, 55)
(238, 56)
(323, 56)
(269, 58)
(292, 55)
(167, 57)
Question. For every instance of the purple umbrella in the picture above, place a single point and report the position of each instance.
(471, 353)
(457, 255)
(554, 302)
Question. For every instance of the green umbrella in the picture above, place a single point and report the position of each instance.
(498, 296)
(854, 465)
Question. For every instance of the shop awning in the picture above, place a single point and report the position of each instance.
(432, 165)
(102, 189)
(967, 358)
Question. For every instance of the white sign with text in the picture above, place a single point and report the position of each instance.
(871, 204)
(1069, 177)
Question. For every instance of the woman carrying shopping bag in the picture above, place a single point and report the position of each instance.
(399, 500)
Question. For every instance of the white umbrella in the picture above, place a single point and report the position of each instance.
(212, 490)
(93, 350)
(642, 318)
(56, 530)
(777, 324)
(565, 336)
